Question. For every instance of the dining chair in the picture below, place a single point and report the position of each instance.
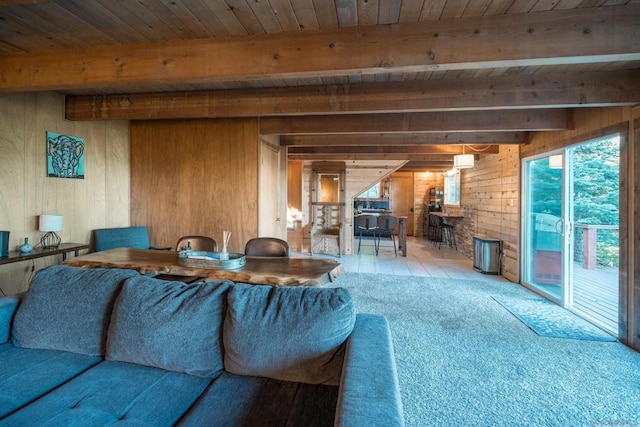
(367, 224)
(197, 243)
(267, 247)
(386, 227)
(136, 237)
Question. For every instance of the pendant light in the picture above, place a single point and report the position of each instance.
(463, 161)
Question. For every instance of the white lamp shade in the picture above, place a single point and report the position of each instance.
(555, 162)
(50, 222)
(463, 161)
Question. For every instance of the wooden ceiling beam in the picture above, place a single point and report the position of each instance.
(510, 40)
(438, 152)
(362, 156)
(425, 167)
(596, 89)
(450, 121)
(463, 138)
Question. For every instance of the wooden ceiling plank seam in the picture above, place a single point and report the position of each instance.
(188, 17)
(568, 4)
(95, 15)
(285, 15)
(305, 14)
(207, 18)
(29, 26)
(347, 11)
(410, 10)
(265, 15)
(590, 3)
(544, 5)
(327, 14)
(154, 15)
(244, 13)
(521, 6)
(368, 12)
(75, 26)
(115, 8)
(499, 7)
(454, 9)
(389, 12)
(432, 10)
(227, 17)
(476, 8)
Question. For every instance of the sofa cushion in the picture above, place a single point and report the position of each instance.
(68, 308)
(290, 334)
(114, 393)
(170, 325)
(254, 401)
(8, 306)
(28, 373)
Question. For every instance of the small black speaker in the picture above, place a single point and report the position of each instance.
(4, 244)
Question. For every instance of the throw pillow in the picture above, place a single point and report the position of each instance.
(68, 308)
(170, 325)
(289, 334)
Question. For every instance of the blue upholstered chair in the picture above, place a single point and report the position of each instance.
(123, 237)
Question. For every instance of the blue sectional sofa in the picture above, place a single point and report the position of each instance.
(105, 346)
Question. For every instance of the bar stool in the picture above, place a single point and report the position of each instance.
(368, 224)
(443, 232)
(386, 226)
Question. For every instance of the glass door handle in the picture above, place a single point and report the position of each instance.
(560, 227)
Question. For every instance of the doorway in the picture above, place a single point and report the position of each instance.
(570, 228)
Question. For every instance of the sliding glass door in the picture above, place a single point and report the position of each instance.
(544, 224)
(570, 228)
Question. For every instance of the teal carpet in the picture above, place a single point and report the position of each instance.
(463, 360)
(550, 320)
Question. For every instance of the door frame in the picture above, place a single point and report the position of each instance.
(626, 322)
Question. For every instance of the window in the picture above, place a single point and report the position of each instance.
(372, 192)
(452, 188)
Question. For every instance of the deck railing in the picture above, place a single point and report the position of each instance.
(590, 244)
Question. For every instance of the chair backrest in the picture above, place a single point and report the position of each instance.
(198, 243)
(267, 246)
(435, 220)
(123, 237)
(367, 222)
(387, 223)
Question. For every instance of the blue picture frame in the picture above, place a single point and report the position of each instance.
(65, 156)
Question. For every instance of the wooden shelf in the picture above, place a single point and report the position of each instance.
(64, 248)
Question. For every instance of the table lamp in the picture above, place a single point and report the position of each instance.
(50, 224)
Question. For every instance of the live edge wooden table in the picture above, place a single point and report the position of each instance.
(307, 271)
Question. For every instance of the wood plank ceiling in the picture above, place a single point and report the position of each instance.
(418, 80)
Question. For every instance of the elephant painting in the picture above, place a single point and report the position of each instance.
(65, 155)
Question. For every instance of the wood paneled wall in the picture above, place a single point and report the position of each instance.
(195, 177)
(294, 184)
(489, 201)
(99, 200)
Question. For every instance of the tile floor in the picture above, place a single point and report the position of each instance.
(423, 259)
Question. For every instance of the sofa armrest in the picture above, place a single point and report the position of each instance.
(8, 306)
(369, 391)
